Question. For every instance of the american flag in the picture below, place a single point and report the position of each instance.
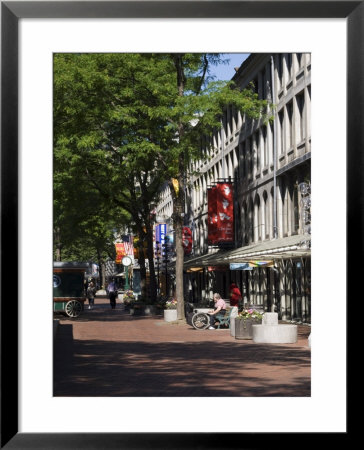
(129, 248)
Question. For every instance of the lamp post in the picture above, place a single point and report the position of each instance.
(126, 261)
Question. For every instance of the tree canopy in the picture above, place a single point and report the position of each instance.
(124, 124)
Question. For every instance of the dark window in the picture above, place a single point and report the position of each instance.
(289, 64)
(281, 130)
(290, 122)
(280, 67)
(300, 99)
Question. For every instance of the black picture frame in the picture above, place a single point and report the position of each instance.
(11, 12)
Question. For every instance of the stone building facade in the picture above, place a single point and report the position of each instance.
(269, 165)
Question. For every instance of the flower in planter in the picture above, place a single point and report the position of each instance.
(171, 304)
(129, 298)
(250, 314)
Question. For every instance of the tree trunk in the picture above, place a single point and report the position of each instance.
(178, 204)
(178, 224)
(143, 270)
(101, 263)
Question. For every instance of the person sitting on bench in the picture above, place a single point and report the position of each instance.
(220, 308)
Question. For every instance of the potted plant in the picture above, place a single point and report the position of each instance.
(129, 301)
(244, 322)
(170, 312)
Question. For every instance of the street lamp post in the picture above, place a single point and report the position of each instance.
(126, 261)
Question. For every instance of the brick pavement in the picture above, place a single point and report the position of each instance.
(107, 352)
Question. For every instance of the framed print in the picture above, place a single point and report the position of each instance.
(23, 270)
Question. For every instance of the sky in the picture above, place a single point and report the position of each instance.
(226, 71)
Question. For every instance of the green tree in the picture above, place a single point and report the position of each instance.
(195, 110)
(84, 225)
(139, 119)
(105, 134)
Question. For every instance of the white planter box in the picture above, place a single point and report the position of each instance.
(170, 315)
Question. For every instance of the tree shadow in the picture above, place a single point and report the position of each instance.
(104, 313)
(95, 368)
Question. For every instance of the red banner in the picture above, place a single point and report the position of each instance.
(120, 252)
(225, 212)
(187, 240)
(212, 232)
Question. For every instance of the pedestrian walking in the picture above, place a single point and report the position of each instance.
(220, 307)
(111, 289)
(91, 292)
(235, 295)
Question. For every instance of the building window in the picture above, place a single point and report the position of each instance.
(285, 205)
(236, 119)
(296, 215)
(251, 221)
(265, 85)
(281, 131)
(265, 146)
(230, 120)
(242, 159)
(300, 101)
(249, 159)
(256, 152)
(227, 166)
(299, 59)
(236, 161)
(280, 69)
(289, 64)
(245, 224)
(255, 86)
(289, 109)
(257, 219)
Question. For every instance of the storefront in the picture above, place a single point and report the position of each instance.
(275, 274)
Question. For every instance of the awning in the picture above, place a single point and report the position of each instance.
(297, 246)
(210, 259)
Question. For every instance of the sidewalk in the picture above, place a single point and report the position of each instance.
(107, 352)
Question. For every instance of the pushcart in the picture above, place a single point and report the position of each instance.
(69, 287)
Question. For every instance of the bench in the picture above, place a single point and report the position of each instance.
(224, 319)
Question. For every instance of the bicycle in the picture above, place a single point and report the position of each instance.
(200, 321)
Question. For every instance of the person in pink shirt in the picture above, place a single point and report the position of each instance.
(220, 308)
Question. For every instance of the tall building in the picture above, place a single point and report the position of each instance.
(269, 166)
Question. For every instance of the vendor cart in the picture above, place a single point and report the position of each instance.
(69, 287)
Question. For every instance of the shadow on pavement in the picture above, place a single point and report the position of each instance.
(137, 369)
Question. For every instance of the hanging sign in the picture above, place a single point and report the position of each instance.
(261, 263)
(123, 249)
(187, 240)
(120, 252)
(240, 266)
(160, 235)
(225, 212)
